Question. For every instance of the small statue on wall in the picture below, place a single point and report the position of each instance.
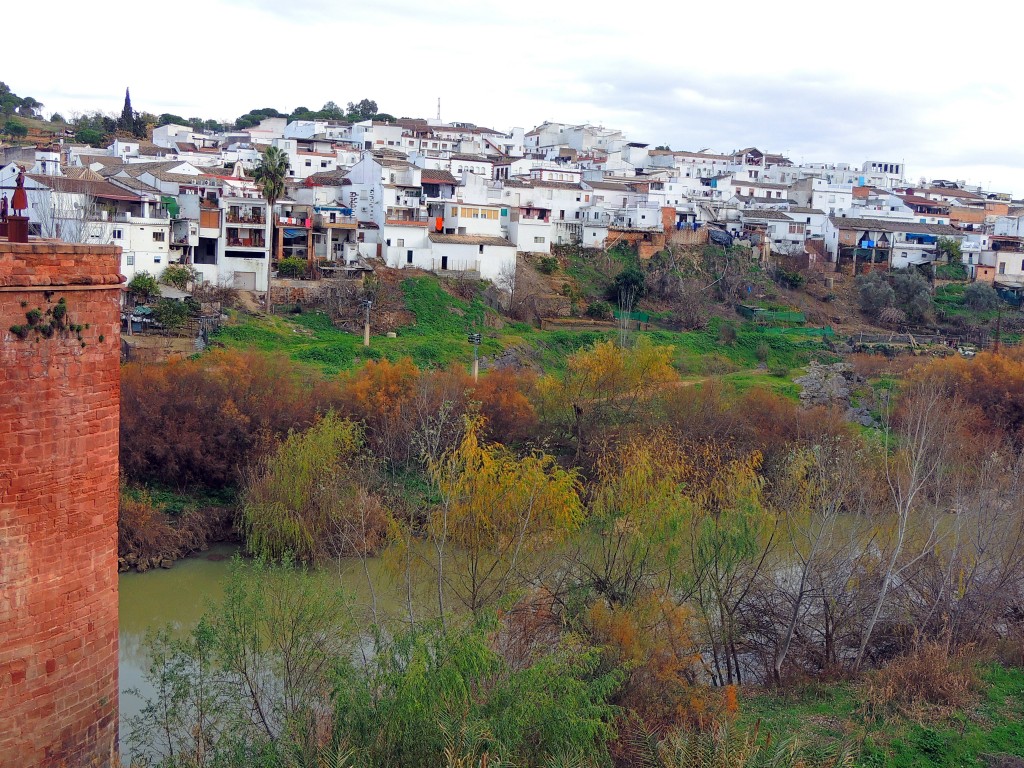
(19, 202)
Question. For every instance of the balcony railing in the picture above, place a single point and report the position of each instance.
(237, 218)
(322, 220)
(402, 219)
(240, 242)
(126, 218)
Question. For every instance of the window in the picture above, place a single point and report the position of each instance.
(323, 163)
(158, 237)
(455, 210)
(309, 163)
(401, 242)
(538, 239)
(1002, 267)
(156, 259)
(117, 234)
(481, 249)
(408, 257)
(131, 259)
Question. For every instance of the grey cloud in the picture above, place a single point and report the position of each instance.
(810, 117)
(819, 119)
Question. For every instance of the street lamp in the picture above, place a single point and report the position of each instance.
(474, 339)
(367, 303)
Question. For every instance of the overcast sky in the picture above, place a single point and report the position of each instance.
(934, 86)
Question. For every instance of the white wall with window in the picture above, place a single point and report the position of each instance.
(531, 235)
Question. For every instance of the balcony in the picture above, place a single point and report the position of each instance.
(246, 242)
(326, 221)
(406, 219)
(256, 219)
(155, 217)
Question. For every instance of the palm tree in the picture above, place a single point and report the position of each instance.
(270, 175)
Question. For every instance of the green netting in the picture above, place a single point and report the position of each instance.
(642, 317)
(759, 315)
(819, 332)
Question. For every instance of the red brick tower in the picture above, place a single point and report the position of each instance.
(59, 402)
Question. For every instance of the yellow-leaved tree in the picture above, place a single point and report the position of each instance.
(603, 385)
(640, 511)
(497, 512)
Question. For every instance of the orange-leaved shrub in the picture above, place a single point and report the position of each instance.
(992, 382)
(200, 421)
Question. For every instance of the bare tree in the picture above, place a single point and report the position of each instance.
(823, 484)
(506, 281)
(922, 446)
(73, 218)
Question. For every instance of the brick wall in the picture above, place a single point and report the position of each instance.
(59, 403)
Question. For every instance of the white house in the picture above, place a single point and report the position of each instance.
(243, 251)
(490, 257)
(891, 170)
(832, 198)
(307, 156)
(406, 244)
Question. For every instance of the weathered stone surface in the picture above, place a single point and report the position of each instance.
(825, 384)
(59, 409)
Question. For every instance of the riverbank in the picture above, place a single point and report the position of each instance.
(988, 730)
(156, 528)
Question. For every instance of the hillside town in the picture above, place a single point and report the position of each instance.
(457, 198)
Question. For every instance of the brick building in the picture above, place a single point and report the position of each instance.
(59, 403)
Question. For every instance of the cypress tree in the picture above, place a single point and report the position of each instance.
(127, 121)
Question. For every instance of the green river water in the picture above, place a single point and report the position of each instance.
(178, 596)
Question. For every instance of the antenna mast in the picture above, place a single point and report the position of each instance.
(439, 109)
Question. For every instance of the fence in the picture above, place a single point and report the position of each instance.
(765, 316)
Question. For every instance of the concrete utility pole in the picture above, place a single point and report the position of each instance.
(474, 339)
(366, 325)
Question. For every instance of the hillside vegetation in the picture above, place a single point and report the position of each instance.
(617, 548)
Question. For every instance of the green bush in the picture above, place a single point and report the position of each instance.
(15, 128)
(171, 314)
(790, 279)
(179, 276)
(913, 294)
(981, 297)
(144, 285)
(727, 333)
(547, 265)
(291, 267)
(630, 282)
(875, 293)
(718, 365)
(599, 310)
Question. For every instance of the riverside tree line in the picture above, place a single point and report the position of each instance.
(588, 564)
